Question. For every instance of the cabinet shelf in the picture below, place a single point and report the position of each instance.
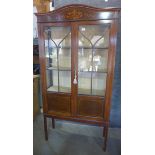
(82, 71)
(81, 91)
(60, 68)
(61, 47)
(93, 48)
(81, 47)
(99, 71)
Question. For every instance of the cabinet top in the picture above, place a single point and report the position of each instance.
(78, 12)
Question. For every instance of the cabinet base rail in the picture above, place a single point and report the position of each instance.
(104, 124)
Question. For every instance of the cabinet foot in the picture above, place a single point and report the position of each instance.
(53, 123)
(45, 128)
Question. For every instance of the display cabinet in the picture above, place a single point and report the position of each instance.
(77, 55)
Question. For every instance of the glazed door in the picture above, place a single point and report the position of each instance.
(57, 47)
(76, 62)
(58, 58)
(92, 61)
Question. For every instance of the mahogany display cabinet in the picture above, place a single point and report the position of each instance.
(77, 46)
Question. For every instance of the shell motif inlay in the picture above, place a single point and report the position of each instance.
(74, 14)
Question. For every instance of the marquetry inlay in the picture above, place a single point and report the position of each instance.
(74, 14)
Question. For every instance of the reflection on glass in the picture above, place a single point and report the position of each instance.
(64, 58)
(100, 60)
(92, 58)
(52, 80)
(98, 83)
(84, 60)
(65, 81)
(96, 35)
(84, 83)
(58, 58)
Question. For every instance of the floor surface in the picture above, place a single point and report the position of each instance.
(70, 138)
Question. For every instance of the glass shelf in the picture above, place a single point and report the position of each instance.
(80, 47)
(60, 68)
(98, 71)
(60, 47)
(84, 71)
(93, 47)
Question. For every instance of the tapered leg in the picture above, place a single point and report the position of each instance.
(45, 128)
(105, 137)
(53, 123)
(104, 132)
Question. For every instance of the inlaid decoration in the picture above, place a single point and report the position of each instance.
(74, 14)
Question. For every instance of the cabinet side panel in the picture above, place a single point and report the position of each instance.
(42, 65)
(111, 66)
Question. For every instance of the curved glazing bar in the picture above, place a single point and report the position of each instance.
(96, 55)
(57, 72)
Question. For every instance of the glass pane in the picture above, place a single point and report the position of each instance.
(98, 83)
(52, 80)
(65, 81)
(100, 60)
(84, 60)
(65, 52)
(84, 83)
(97, 35)
(83, 41)
(64, 59)
(50, 51)
(58, 58)
(92, 59)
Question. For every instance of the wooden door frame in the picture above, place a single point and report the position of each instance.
(42, 60)
(111, 62)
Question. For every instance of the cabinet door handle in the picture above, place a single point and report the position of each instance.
(75, 78)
